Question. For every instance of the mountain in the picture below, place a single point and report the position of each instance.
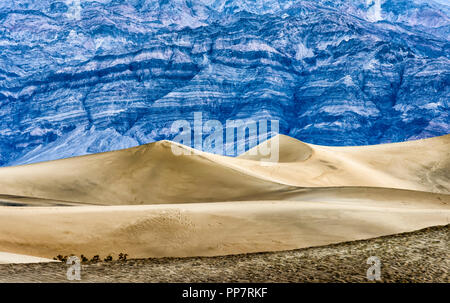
(81, 77)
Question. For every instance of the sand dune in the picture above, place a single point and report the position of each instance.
(148, 174)
(8, 258)
(206, 229)
(314, 195)
(152, 174)
(417, 165)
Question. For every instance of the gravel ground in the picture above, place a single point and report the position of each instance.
(421, 256)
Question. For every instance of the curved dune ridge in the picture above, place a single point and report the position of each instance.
(146, 201)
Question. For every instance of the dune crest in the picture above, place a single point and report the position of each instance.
(290, 150)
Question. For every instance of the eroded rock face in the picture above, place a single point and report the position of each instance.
(81, 77)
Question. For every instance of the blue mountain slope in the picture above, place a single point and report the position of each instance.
(81, 77)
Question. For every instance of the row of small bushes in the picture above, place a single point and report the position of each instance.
(94, 259)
